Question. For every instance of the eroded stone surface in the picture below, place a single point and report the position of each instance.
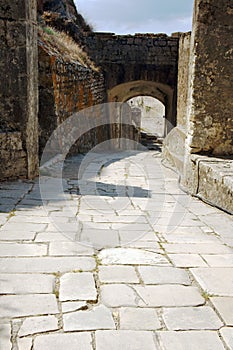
(82, 341)
(227, 334)
(33, 325)
(217, 281)
(163, 275)
(116, 340)
(27, 305)
(5, 336)
(119, 274)
(139, 319)
(168, 295)
(99, 317)
(127, 256)
(224, 305)
(188, 318)
(192, 340)
(117, 295)
(78, 286)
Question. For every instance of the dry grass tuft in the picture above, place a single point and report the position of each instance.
(64, 46)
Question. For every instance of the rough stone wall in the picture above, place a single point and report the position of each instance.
(67, 87)
(210, 96)
(141, 57)
(13, 156)
(183, 80)
(146, 62)
(18, 87)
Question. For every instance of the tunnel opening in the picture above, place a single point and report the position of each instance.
(152, 120)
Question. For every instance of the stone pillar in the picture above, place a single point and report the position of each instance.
(210, 102)
(19, 76)
(210, 120)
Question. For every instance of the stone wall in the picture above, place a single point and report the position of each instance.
(13, 156)
(183, 79)
(18, 87)
(205, 104)
(210, 95)
(141, 57)
(143, 64)
(66, 87)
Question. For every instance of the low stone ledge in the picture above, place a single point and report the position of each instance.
(216, 182)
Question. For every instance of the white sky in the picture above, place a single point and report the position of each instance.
(136, 16)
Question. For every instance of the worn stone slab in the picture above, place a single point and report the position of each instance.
(24, 343)
(125, 339)
(27, 305)
(100, 238)
(80, 341)
(22, 249)
(16, 236)
(46, 264)
(70, 306)
(30, 219)
(55, 237)
(69, 248)
(224, 306)
(192, 340)
(163, 275)
(5, 337)
(216, 281)
(220, 260)
(23, 226)
(100, 317)
(197, 248)
(187, 260)
(134, 226)
(135, 236)
(117, 295)
(26, 284)
(221, 223)
(147, 245)
(139, 319)
(77, 286)
(127, 256)
(118, 274)
(34, 325)
(168, 295)
(190, 238)
(227, 335)
(190, 318)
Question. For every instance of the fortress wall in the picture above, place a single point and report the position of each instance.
(18, 89)
(66, 88)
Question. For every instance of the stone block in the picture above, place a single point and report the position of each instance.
(118, 274)
(41, 324)
(163, 275)
(26, 283)
(5, 336)
(192, 340)
(168, 295)
(139, 319)
(190, 318)
(99, 317)
(78, 286)
(27, 305)
(216, 281)
(46, 264)
(117, 340)
(224, 306)
(81, 341)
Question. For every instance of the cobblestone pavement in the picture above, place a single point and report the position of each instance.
(122, 260)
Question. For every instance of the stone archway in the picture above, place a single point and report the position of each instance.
(163, 93)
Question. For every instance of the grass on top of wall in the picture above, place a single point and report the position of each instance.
(63, 46)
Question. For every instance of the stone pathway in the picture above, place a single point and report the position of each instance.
(123, 259)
